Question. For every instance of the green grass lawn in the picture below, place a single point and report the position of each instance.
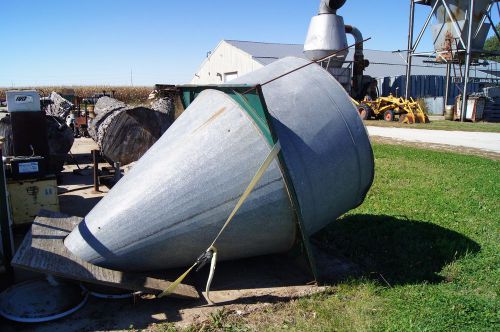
(440, 125)
(427, 239)
(430, 227)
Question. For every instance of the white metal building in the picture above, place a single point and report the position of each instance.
(233, 58)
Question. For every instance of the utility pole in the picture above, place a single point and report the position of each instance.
(131, 80)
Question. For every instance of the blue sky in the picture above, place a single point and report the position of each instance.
(77, 42)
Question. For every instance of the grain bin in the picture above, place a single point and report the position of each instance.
(171, 205)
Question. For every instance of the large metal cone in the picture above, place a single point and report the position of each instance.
(169, 208)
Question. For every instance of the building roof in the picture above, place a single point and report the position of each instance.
(265, 53)
(382, 63)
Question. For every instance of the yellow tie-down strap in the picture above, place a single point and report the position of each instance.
(211, 252)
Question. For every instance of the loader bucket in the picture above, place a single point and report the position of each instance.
(421, 117)
(408, 118)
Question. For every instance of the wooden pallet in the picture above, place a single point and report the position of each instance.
(43, 250)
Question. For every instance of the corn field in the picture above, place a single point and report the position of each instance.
(126, 94)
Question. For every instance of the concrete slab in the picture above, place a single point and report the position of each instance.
(489, 142)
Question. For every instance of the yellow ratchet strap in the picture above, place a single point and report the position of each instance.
(212, 249)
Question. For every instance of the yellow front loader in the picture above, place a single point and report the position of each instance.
(392, 108)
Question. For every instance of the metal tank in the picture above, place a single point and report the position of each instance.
(169, 208)
(172, 203)
(448, 33)
(327, 34)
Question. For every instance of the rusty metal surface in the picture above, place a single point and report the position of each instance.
(445, 34)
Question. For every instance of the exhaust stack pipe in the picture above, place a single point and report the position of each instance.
(359, 61)
(330, 7)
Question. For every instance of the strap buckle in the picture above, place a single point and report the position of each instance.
(203, 259)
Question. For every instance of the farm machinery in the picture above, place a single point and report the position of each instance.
(392, 108)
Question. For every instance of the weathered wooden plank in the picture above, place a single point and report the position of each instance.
(43, 250)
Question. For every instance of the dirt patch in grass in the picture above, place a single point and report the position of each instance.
(239, 289)
(296, 314)
(436, 147)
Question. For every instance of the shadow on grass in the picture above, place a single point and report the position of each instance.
(400, 251)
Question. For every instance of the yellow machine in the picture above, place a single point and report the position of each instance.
(27, 197)
(392, 108)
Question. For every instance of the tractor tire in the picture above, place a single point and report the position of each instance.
(389, 115)
(365, 111)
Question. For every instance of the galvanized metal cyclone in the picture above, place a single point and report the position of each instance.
(168, 209)
(447, 34)
(326, 34)
(324, 142)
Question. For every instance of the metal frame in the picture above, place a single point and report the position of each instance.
(467, 45)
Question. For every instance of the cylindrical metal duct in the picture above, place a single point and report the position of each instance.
(359, 63)
(169, 207)
(330, 6)
(358, 38)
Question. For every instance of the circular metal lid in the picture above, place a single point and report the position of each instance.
(111, 293)
(115, 296)
(39, 301)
